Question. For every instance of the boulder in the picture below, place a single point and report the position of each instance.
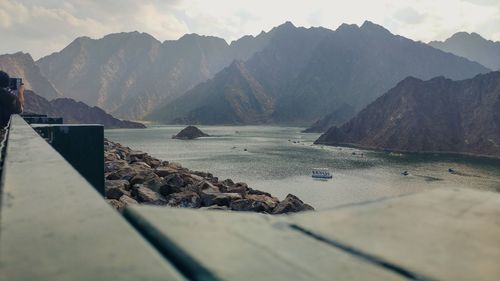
(228, 182)
(249, 205)
(166, 190)
(111, 156)
(140, 165)
(175, 180)
(193, 177)
(270, 201)
(123, 184)
(237, 188)
(126, 173)
(164, 171)
(204, 175)
(143, 176)
(175, 166)
(127, 200)
(172, 184)
(291, 204)
(184, 199)
(114, 193)
(136, 156)
(154, 183)
(111, 166)
(257, 192)
(209, 198)
(147, 196)
(189, 133)
(207, 185)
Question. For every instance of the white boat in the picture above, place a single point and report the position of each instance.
(321, 173)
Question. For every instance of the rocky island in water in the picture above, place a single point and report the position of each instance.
(190, 133)
(134, 177)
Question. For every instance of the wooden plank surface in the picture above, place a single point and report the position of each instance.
(445, 234)
(55, 226)
(249, 246)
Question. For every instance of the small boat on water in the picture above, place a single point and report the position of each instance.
(321, 173)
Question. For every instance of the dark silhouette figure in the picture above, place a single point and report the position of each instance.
(11, 101)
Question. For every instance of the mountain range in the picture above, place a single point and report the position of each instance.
(306, 74)
(437, 115)
(50, 101)
(130, 74)
(249, 88)
(473, 47)
(288, 75)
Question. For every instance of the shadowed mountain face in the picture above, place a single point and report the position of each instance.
(356, 65)
(22, 65)
(245, 93)
(438, 115)
(473, 47)
(129, 74)
(73, 112)
(233, 96)
(312, 73)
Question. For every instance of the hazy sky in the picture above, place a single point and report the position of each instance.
(41, 27)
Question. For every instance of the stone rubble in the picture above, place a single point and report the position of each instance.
(134, 177)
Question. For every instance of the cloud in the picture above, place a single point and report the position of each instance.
(409, 15)
(44, 26)
(484, 2)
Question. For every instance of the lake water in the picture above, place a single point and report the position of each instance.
(267, 158)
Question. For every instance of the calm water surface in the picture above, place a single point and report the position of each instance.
(273, 162)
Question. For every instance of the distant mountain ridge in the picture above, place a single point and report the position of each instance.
(22, 65)
(74, 112)
(308, 74)
(473, 47)
(437, 115)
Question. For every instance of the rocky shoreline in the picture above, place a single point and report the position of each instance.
(134, 177)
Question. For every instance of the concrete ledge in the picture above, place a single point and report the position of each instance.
(55, 226)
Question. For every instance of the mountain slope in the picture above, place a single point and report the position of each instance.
(438, 115)
(473, 47)
(313, 73)
(356, 65)
(233, 96)
(22, 65)
(287, 51)
(130, 74)
(73, 112)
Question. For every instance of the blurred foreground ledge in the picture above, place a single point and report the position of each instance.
(55, 225)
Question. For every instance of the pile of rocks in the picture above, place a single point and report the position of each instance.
(134, 177)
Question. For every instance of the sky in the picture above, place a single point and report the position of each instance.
(41, 27)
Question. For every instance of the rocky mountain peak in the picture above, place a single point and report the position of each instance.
(462, 35)
(375, 29)
(347, 28)
(436, 115)
(473, 47)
